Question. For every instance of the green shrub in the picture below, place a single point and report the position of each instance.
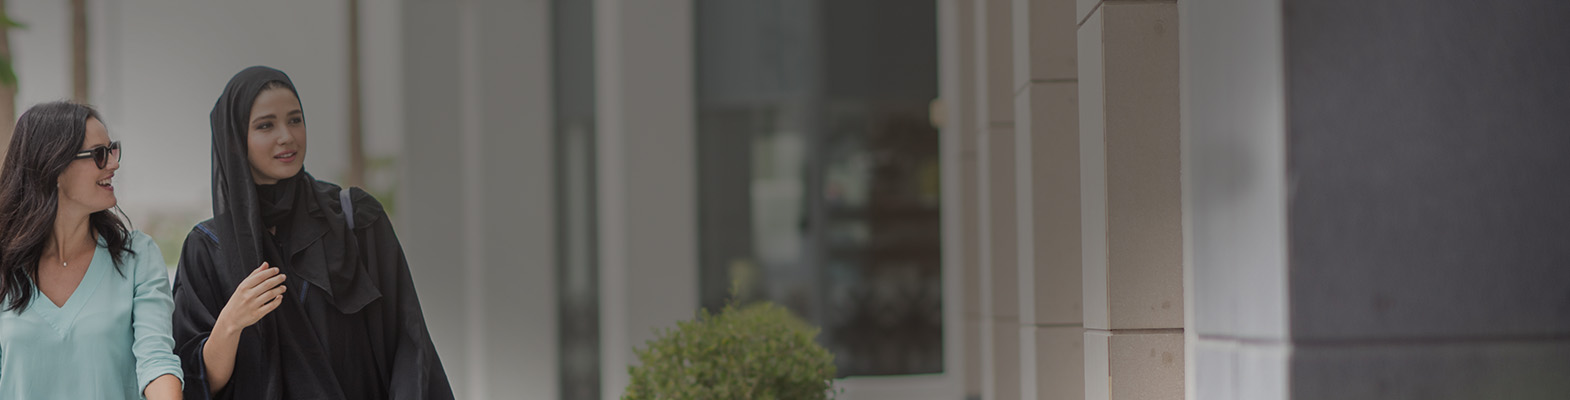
(759, 351)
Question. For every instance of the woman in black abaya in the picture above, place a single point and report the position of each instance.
(296, 289)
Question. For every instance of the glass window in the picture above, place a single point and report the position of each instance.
(818, 171)
(577, 270)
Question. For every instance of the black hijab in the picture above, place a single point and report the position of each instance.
(335, 335)
(243, 211)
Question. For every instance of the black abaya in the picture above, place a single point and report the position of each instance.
(350, 326)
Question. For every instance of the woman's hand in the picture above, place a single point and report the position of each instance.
(259, 294)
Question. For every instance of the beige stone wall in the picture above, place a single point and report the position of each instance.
(996, 216)
(1131, 194)
(1046, 102)
(1079, 222)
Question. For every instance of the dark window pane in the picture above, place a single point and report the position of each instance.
(577, 267)
(818, 171)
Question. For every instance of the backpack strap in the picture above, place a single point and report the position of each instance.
(209, 232)
(347, 206)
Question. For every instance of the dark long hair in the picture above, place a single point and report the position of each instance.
(44, 143)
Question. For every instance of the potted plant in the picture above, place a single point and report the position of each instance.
(758, 351)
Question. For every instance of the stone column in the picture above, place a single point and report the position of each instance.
(647, 177)
(1378, 199)
(475, 215)
(1046, 127)
(995, 177)
(1131, 199)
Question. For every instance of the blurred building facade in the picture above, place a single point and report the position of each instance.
(1205, 199)
(1220, 199)
(996, 199)
(661, 157)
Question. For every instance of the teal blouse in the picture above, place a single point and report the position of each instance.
(109, 341)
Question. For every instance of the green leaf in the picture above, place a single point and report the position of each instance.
(7, 72)
(6, 21)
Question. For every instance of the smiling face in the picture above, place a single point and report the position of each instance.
(276, 136)
(83, 186)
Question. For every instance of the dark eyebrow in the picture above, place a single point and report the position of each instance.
(268, 116)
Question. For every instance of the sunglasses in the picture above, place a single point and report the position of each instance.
(100, 154)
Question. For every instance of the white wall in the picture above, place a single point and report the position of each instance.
(646, 176)
(42, 51)
(157, 66)
(476, 219)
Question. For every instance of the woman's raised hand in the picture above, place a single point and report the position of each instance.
(259, 294)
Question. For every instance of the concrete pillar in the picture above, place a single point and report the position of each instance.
(647, 177)
(996, 215)
(1046, 127)
(1000, 304)
(1377, 203)
(1234, 123)
(475, 209)
(1131, 197)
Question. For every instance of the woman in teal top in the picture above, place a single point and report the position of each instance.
(84, 303)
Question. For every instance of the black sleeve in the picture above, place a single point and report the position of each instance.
(416, 369)
(197, 301)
